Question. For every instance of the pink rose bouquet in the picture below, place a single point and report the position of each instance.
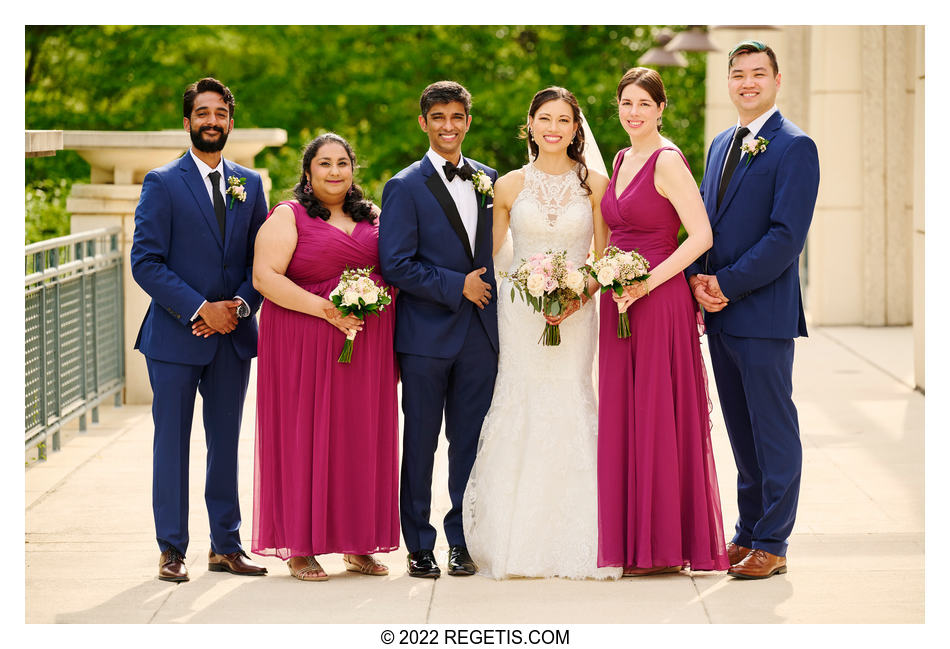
(547, 282)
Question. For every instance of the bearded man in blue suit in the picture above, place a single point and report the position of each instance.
(760, 188)
(192, 252)
(435, 246)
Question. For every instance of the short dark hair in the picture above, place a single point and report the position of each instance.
(208, 84)
(444, 92)
(751, 47)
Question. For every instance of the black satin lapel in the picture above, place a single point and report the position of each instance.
(438, 189)
(484, 232)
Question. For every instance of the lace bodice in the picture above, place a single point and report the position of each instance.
(530, 507)
(552, 212)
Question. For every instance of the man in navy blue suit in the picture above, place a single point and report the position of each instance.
(760, 187)
(435, 246)
(192, 250)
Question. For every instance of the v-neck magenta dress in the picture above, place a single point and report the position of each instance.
(658, 497)
(326, 460)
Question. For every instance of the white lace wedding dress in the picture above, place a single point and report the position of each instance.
(530, 506)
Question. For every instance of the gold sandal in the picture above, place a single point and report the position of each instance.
(370, 567)
(303, 574)
(646, 572)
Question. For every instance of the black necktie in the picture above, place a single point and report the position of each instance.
(218, 199)
(465, 172)
(731, 161)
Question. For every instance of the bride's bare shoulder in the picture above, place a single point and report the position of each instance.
(508, 186)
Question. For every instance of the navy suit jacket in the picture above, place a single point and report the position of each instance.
(425, 252)
(179, 259)
(759, 232)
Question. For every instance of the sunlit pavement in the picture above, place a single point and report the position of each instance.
(857, 553)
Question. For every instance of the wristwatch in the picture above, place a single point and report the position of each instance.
(243, 311)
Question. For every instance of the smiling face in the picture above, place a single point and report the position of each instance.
(210, 122)
(753, 85)
(639, 114)
(446, 126)
(331, 173)
(553, 126)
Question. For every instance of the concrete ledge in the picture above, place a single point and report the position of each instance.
(43, 143)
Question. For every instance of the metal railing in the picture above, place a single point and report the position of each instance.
(74, 331)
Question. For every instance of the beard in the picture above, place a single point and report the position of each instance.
(198, 141)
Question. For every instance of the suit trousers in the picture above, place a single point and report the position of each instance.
(461, 387)
(223, 386)
(754, 381)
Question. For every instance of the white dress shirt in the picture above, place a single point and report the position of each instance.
(463, 194)
(754, 127)
(204, 170)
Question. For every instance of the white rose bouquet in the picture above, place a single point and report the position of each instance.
(357, 294)
(616, 269)
(547, 282)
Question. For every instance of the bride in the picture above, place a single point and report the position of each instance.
(530, 505)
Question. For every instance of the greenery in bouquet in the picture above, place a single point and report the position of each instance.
(359, 295)
(547, 282)
(616, 269)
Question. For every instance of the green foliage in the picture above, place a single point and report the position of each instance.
(362, 82)
(46, 215)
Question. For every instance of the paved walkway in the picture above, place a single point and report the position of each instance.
(857, 554)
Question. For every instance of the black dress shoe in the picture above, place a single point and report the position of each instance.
(460, 562)
(422, 564)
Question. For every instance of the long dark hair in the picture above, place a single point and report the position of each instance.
(575, 150)
(354, 204)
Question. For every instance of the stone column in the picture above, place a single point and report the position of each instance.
(119, 161)
(918, 206)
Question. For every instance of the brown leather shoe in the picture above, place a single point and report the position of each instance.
(171, 566)
(236, 563)
(736, 552)
(759, 564)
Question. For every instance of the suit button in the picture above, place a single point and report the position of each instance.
(225, 267)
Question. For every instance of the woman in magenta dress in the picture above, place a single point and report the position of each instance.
(658, 497)
(325, 470)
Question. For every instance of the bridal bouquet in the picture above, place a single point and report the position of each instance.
(615, 270)
(547, 282)
(357, 294)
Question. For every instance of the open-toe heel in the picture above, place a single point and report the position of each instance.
(370, 567)
(306, 573)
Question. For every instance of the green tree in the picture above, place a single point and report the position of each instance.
(362, 82)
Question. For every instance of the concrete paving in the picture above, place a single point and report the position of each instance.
(856, 556)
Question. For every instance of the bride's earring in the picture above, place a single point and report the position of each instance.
(308, 188)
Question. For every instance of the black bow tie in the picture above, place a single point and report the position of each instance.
(465, 172)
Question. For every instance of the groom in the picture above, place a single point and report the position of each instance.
(760, 187)
(191, 252)
(435, 246)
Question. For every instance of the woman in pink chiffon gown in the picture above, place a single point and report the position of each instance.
(325, 471)
(658, 496)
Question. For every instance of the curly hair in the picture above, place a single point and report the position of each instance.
(354, 204)
(575, 150)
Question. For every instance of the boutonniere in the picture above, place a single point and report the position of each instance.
(483, 185)
(754, 149)
(236, 189)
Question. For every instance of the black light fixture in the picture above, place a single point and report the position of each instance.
(660, 55)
